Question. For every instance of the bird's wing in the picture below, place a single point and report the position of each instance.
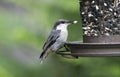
(51, 39)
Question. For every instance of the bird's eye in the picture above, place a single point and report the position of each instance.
(63, 22)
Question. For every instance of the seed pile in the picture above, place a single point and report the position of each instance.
(100, 17)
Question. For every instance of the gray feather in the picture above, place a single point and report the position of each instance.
(50, 41)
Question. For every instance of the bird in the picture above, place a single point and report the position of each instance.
(57, 38)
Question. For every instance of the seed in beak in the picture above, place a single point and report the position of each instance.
(75, 22)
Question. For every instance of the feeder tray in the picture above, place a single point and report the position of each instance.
(101, 49)
(101, 32)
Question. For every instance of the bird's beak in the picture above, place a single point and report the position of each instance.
(72, 22)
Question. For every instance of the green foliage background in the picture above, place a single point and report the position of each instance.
(25, 25)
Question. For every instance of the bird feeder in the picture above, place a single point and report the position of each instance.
(101, 30)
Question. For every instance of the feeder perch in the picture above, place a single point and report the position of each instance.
(101, 30)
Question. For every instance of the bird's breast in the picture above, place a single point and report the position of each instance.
(63, 35)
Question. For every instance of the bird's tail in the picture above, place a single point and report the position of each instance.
(43, 55)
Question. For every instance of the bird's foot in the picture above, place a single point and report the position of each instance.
(66, 48)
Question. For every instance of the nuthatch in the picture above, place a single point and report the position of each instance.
(57, 38)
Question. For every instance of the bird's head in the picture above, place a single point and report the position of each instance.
(62, 23)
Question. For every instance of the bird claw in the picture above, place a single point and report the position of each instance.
(66, 48)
